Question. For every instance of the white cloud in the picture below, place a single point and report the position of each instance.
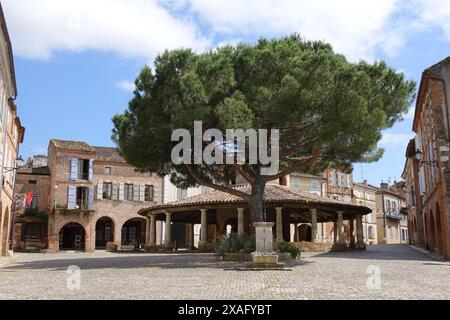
(396, 139)
(355, 28)
(435, 13)
(133, 28)
(126, 85)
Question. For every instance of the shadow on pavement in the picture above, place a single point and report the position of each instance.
(164, 261)
(380, 252)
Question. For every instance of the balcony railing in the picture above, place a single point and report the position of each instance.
(395, 215)
(82, 205)
(83, 176)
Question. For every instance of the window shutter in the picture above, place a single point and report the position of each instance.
(135, 192)
(156, 194)
(73, 169)
(120, 191)
(100, 190)
(141, 192)
(91, 198)
(71, 197)
(91, 169)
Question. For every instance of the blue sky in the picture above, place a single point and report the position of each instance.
(76, 59)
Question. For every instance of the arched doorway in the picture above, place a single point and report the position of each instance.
(104, 232)
(72, 237)
(432, 235)
(5, 229)
(304, 233)
(230, 226)
(133, 232)
(438, 230)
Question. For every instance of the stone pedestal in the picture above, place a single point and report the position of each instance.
(264, 236)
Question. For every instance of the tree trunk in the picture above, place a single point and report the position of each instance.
(257, 204)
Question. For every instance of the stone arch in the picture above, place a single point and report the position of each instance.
(439, 234)
(304, 232)
(104, 231)
(5, 232)
(72, 236)
(133, 232)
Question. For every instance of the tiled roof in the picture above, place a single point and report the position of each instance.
(45, 171)
(72, 145)
(108, 154)
(307, 175)
(273, 194)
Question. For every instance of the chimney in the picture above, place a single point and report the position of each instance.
(384, 186)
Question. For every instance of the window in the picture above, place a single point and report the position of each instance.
(83, 169)
(82, 198)
(181, 193)
(128, 192)
(32, 181)
(148, 193)
(295, 183)
(371, 231)
(107, 191)
(315, 186)
(32, 231)
(107, 170)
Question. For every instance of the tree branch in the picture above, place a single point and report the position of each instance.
(314, 156)
(202, 181)
(244, 174)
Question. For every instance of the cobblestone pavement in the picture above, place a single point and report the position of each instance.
(404, 274)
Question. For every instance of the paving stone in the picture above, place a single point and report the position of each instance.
(404, 274)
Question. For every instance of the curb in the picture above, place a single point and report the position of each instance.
(429, 254)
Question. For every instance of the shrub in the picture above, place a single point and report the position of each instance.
(235, 243)
(289, 248)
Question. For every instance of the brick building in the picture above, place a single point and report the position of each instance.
(93, 198)
(392, 218)
(365, 194)
(427, 167)
(11, 135)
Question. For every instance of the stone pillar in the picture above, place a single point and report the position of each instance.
(352, 232)
(147, 231)
(279, 223)
(240, 219)
(264, 236)
(152, 231)
(313, 225)
(189, 235)
(359, 233)
(340, 226)
(168, 231)
(203, 228)
(335, 232)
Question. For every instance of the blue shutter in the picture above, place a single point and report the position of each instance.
(71, 197)
(91, 198)
(73, 169)
(91, 169)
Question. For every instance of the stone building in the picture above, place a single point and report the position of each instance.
(11, 135)
(392, 218)
(365, 194)
(93, 199)
(427, 171)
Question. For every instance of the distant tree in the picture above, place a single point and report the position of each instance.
(329, 111)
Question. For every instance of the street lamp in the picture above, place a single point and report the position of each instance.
(419, 154)
(19, 161)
